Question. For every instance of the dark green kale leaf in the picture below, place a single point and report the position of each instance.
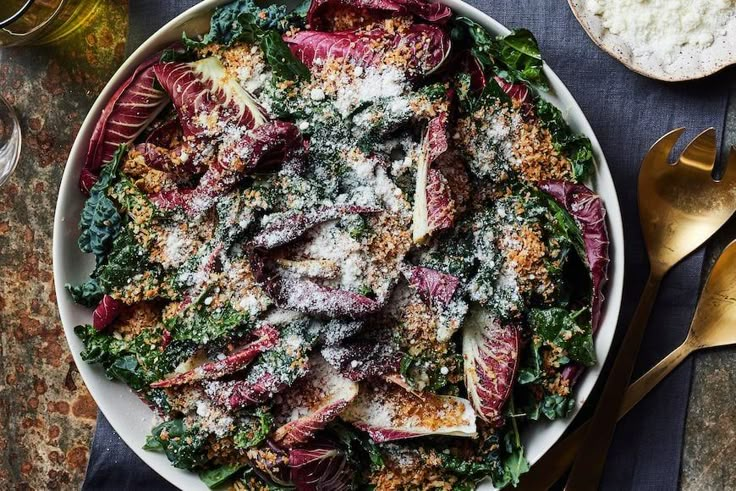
(576, 147)
(254, 429)
(88, 293)
(183, 446)
(359, 446)
(126, 260)
(514, 57)
(100, 222)
(560, 327)
(99, 347)
(220, 475)
(514, 460)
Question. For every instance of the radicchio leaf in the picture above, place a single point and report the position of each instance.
(289, 227)
(106, 312)
(311, 298)
(128, 112)
(322, 13)
(519, 93)
(388, 412)
(434, 208)
(313, 402)
(429, 46)
(491, 357)
(207, 99)
(372, 354)
(266, 337)
(435, 287)
(322, 466)
(587, 209)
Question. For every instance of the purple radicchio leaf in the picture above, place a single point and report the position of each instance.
(435, 288)
(434, 207)
(165, 134)
(106, 312)
(175, 161)
(322, 13)
(313, 402)
(208, 101)
(265, 337)
(429, 46)
(587, 209)
(289, 227)
(370, 354)
(519, 93)
(490, 357)
(128, 112)
(388, 412)
(321, 466)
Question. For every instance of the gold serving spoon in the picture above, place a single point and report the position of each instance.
(713, 325)
(680, 207)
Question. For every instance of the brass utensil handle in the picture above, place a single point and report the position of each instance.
(553, 465)
(588, 466)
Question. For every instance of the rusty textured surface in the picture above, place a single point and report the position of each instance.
(46, 414)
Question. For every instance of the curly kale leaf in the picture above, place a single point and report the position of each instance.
(126, 260)
(88, 293)
(183, 446)
(100, 222)
(244, 21)
(576, 147)
(203, 325)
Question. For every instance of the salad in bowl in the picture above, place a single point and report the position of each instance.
(347, 246)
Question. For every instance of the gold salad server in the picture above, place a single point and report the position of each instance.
(680, 207)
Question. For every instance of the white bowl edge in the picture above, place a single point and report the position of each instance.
(129, 416)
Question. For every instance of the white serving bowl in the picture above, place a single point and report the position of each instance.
(130, 417)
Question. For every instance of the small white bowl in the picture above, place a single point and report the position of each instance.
(130, 417)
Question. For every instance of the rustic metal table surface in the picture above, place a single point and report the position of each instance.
(46, 414)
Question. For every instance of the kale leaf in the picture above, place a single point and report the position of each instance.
(254, 429)
(88, 293)
(126, 260)
(183, 446)
(100, 222)
(220, 475)
(560, 327)
(576, 147)
(514, 57)
(203, 325)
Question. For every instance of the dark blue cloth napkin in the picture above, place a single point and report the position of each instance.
(628, 113)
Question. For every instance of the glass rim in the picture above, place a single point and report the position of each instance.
(17, 15)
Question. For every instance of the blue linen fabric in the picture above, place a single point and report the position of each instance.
(628, 113)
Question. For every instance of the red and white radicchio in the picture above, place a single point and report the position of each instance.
(587, 209)
(313, 402)
(490, 357)
(388, 412)
(207, 99)
(129, 111)
(106, 312)
(434, 208)
(428, 47)
(320, 467)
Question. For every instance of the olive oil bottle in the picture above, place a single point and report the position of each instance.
(37, 22)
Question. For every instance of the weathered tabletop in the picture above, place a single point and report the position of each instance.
(46, 414)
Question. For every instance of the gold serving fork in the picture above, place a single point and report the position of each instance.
(713, 325)
(680, 207)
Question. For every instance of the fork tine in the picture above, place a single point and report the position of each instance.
(660, 151)
(701, 152)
